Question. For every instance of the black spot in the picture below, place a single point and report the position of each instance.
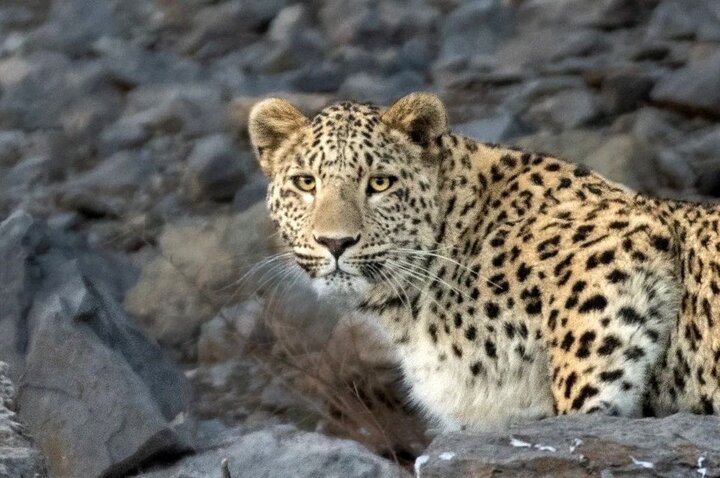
(523, 272)
(475, 368)
(584, 344)
(582, 232)
(588, 391)
(552, 167)
(457, 351)
(595, 303)
(611, 375)
(607, 256)
(534, 308)
(565, 183)
(536, 179)
(492, 310)
(471, 333)
(432, 329)
(499, 260)
(579, 286)
(458, 320)
(475, 293)
(707, 405)
(509, 330)
(634, 353)
(618, 225)
(609, 344)
(630, 316)
(661, 243)
(569, 382)
(568, 341)
(581, 171)
(617, 276)
(490, 349)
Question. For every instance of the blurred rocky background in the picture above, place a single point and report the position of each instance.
(148, 322)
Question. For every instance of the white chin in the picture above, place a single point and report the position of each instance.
(342, 287)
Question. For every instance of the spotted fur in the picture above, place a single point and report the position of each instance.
(513, 284)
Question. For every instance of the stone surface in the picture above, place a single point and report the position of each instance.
(495, 129)
(216, 169)
(594, 445)
(282, 451)
(194, 274)
(565, 110)
(695, 87)
(19, 458)
(97, 396)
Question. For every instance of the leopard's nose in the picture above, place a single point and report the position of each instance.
(337, 246)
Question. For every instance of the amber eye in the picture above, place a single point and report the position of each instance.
(378, 184)
(304, 183)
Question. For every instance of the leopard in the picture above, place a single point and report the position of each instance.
(511, 285)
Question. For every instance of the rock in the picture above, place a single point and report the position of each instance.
(538, 48)
(97, 396)
(191, 108)
(626, 160)
(475, 28)
(351, 22)
(683, 19)
(73, 25)
(322, 78)
(30, 99)
(253, 192)
(215, 169)
(694, 88)
(128, 132)
(18, 456)
(573, 145)
(605, 14)
(131, 65)
(496, 129)
(226, 335)
(104, 190)
(12, 144)
(289, 23)
(364, 87)
(700, 152)
(565, 110)
(581, 445)
(282, 451)
(194, 274)
(226, 26)
(624, 91)
(19, 182)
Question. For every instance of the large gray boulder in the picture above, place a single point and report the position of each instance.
(694, 88)
(588, 445)
(281, 450)
(98, 397)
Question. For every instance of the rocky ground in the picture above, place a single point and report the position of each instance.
(143, 324)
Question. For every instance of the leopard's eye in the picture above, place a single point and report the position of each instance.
(378, 184)
(304, 183)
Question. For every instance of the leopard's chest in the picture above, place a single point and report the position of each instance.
(470, 391)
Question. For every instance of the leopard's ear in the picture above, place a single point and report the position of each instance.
(421, 116)
(271, 122)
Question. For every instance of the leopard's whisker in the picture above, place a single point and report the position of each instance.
(439, 256)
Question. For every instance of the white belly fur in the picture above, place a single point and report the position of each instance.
(445, 390)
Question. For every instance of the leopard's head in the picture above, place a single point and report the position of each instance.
(353, 188)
